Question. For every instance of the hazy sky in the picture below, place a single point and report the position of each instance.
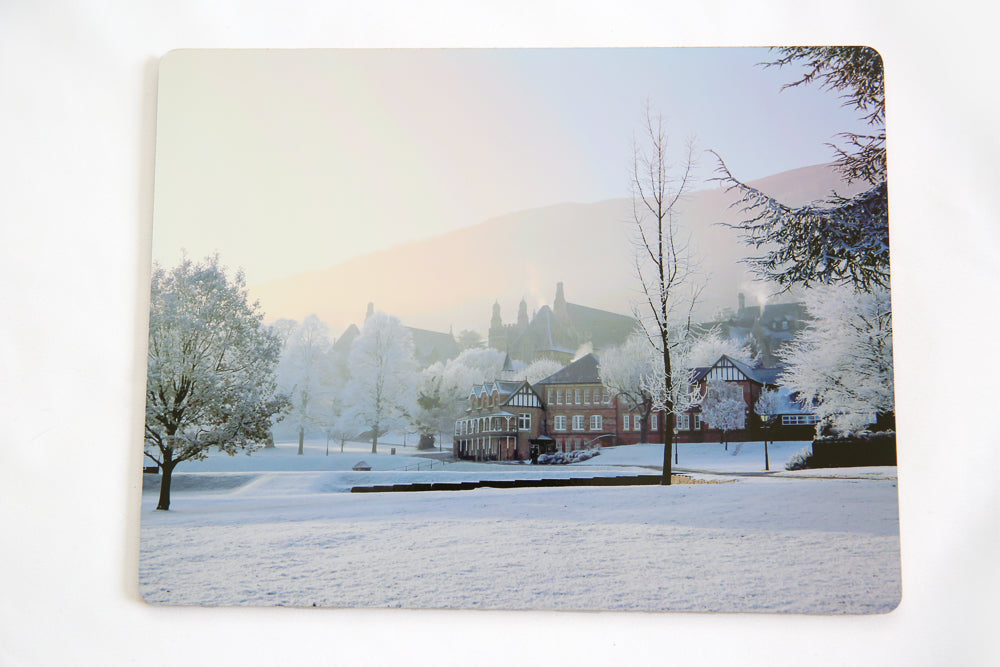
(287, 161)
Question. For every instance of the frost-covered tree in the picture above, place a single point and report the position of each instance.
(706, 349)
(723, 407)
(210, 380)
(842, 360)
(473, 366)
(769, 405)
(443, 391)
(341, 423)
(305, 373)
(664, 266)
(538, 370)
(468, 339)
(382, 391)
(843, 239)
(624, 370)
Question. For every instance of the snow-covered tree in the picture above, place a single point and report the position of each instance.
(769, 405)
(844, 239)
(842, 360)
(443, 391)
(723, 407)
(341, 423)
(664, 266)
(210, 380)
(305, 373)
(471, 367)
(382, 391)
(538, 370)
(624, 369)
(706, 349)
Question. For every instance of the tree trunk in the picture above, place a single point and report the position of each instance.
(667, 427)
(302, 437)
(166, 470)
(375, 442)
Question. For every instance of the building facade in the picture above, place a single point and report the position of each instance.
(502, 419)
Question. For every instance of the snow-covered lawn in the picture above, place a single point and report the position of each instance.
(284, 532)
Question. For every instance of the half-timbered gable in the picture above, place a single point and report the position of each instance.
(502, 418)
(691, 427)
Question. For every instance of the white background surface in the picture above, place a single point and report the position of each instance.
(77, 103)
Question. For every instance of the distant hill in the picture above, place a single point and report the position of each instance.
(452, 280)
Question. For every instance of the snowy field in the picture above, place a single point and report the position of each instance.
(275, 528)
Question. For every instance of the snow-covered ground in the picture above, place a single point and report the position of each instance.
(275, 528)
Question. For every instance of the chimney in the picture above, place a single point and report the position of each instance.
(371, 310)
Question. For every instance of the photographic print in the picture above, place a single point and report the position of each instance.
(521, 329)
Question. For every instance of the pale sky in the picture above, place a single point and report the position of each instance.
(288, 161)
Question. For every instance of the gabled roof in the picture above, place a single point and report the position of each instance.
(504, 388)
(765, 376)
(600, 327)
(582, 371)
(433, 345)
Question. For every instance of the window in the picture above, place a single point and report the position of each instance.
(560, 422)
(577, 395)
(577, 422)
(524, 421)
(696, 418)
(652, 423)
(624, 422)
(552, 397)
(559, 397)
(596, 422)
(683, 422)
(607, 396)
(586, 397)
(797, 420)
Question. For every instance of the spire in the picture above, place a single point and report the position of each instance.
(496, 321)
(371, 310)
(522, 315)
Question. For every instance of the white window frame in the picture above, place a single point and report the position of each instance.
(625, 422)
(559, 397)
(696, 418)
(799, 420)
(683, 422)
(653, 422)
(578, 422)
(524, 421)
(560, 423)
(596, 422)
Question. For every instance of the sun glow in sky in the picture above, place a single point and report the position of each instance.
(291, 161)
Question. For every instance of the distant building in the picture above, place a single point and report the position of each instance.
(429, 347)
(571, 409)
(766, 329)
(558, 332)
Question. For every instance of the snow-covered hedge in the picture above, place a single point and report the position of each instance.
(838, 451)
(800, 460)
(562, 458)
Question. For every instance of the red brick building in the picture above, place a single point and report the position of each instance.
(580, 412)
(502, 419)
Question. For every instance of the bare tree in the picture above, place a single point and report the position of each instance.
(663, 259)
